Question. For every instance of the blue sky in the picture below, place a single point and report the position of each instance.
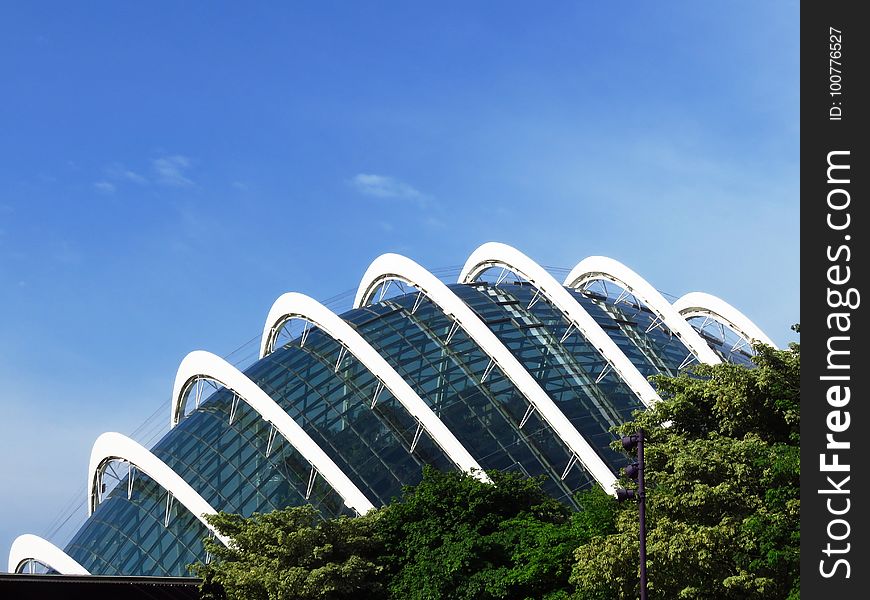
(167, 171)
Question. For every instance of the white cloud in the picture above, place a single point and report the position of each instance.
(105, 187)
(135, 177)
(132, 176)
(383, 186)
(170, 170)
(116, 175)
(118, 172)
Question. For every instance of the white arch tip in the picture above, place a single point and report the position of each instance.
(609, 269)
(294, 304)
(702, 304)
(32, 547)
(116, 446)
(496, 254)
(201, 363)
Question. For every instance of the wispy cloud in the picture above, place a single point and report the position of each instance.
(105, 187)
(171, 170)
(119, 172)
(383, 186)
(168, 170)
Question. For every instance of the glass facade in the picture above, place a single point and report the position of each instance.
(135, 534)
(236, 462)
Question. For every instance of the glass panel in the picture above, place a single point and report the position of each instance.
(227, 463)
(483, 415)
(724, 341)
(660, 349)
(570, 371)
(334, 406)
(128, 537)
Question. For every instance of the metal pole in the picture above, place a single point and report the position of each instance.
(642, 510)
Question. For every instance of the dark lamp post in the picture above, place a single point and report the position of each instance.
(635, 471)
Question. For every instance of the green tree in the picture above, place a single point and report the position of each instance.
(294, 554)
(452, 536)
(722, 474)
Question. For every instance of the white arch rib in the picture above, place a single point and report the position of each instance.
(115, 446)
(32, 547)
(700, 304)
(395, 267)
(494, 254)
(294, 305)
(608, 269)
(205, 365)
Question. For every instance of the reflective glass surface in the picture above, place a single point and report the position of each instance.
(724, 341)
(130, 537)
(232, 466)
(332, 400)
(572, 372)
(484, 415)
(664, 352)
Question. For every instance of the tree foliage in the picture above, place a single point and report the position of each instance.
(292, 553)
(450, 536)
(453, 536)
(722, 474)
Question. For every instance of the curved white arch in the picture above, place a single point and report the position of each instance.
(294, 305)
(701, 304)
(200, 364)
(602, 267)
(115, 446)
(396, 267)
(32, 547)
(494, 254)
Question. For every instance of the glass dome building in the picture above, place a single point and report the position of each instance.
(506, 369)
